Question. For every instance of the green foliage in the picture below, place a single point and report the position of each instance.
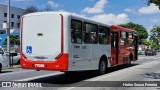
(155, 37)
(32, 9)
(157, 2)
(155, 45)
(142, 32)
(13, 40)
(145, 42)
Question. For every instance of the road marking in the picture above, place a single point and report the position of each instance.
(109, 74)
(37, 77)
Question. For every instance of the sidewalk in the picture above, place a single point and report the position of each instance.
(14, 67)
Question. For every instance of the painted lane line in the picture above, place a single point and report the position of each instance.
(37, 77)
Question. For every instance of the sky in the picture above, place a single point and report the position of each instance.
(106, 11)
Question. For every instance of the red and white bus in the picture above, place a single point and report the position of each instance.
(66, 42)
(124, 44)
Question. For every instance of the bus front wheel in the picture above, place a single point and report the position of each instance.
(102, 66)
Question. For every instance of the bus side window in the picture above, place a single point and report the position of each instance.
(104, 35)
(130, 39)
(124, 36)
(112, 40)
(90, 33)
(76, 31)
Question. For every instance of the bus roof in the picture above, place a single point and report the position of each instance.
(125, 29)
(67, 14)
(122, 28)
(51, 12)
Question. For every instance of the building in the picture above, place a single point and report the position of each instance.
(15, 16)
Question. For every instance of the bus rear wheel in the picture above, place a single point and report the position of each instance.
(102, 66)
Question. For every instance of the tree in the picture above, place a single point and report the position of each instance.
(145, 42)
(142, 32)
(13, 40)
(155, 45)
(157, 2)
(31, 9)
(155, 37)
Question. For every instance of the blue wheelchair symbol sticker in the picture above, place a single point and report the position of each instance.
(29, 49)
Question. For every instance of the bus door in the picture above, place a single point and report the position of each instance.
(136, 47)
(114, 47)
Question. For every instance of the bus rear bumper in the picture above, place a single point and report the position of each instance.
(60, 64)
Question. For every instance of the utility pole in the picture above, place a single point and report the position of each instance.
(8, 32)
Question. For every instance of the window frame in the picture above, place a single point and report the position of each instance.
(18, 16)
(18, 25)
(131, 40)
(108, 34)
(81, 30)
(124, 38)
(5, 14)
(122, 34)
(84, 29)
(12, 15)
(131, 34)
(12, 24)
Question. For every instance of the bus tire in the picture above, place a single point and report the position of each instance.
(102, 66)
(0, 67)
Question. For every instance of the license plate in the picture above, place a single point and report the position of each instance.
(39, 65)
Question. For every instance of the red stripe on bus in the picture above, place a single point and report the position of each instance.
(62, 37)
(62, 34)
(59, 65)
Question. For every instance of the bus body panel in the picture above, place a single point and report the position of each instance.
(42, 42)
(59, 65)
(86, 56)
(124, 51)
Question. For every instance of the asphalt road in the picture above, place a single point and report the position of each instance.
(147, 68)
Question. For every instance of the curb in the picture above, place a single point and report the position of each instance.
(14, 67)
